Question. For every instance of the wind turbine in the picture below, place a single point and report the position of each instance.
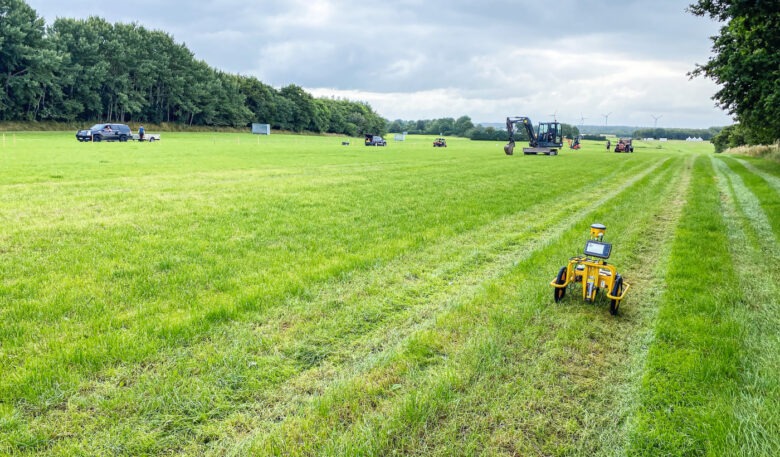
(582, 123)
(606, 117)
(655, 120)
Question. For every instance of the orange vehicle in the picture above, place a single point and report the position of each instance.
(624, 145)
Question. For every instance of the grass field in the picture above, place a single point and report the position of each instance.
(227, 294)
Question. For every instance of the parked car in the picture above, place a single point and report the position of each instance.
(375, 140)
(105, 132)
(440, 143)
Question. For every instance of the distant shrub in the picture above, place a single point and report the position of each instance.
(771, 152)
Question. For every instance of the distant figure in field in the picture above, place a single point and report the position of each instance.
(608, 145)
(141, 133)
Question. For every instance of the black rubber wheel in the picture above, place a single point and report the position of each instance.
(151, 140)
(560, 292)
(97, 138)
(617, 290)
(122, 138)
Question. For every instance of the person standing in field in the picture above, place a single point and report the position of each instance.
(141, 133)
(608, 145)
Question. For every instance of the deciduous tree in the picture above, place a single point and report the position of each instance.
(745, 63)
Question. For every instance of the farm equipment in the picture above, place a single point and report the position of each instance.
(440, 143)
(624, 145)
(547, 138)
(575, 144)
(592, 270)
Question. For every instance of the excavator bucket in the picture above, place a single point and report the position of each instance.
(509, 148)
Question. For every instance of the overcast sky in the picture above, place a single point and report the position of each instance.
(487, 59)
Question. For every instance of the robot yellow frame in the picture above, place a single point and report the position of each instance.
(595, 274)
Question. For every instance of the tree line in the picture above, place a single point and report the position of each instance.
(677, 134)
(91, 70)
(464, 127)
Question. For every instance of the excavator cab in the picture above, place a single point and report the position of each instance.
(549, 135)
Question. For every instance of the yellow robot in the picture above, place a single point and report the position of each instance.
(593, 271)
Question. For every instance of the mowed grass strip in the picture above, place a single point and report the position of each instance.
(765, 188)
(757, 254)
(694, 366)
(767, 169)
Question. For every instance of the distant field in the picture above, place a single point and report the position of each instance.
(228, 294)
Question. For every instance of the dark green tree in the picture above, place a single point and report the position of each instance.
(462, 125)
(745, 63)
(27, 65)
(303, 111)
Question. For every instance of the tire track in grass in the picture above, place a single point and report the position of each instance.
(757, 255)
(353, 392)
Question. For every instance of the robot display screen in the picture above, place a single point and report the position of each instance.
(598, 249)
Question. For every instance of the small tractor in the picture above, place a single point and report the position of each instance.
(575, 144)
(624, 145)
(593, 272)
(547, 138)
(440, 143)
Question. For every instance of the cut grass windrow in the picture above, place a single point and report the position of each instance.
(694, 364)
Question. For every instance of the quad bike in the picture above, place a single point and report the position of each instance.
(624, 145)
(593, 272)
(575, 144)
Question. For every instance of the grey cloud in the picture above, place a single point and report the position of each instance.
(458, 57)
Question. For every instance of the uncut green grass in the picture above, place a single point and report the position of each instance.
(229, 294)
